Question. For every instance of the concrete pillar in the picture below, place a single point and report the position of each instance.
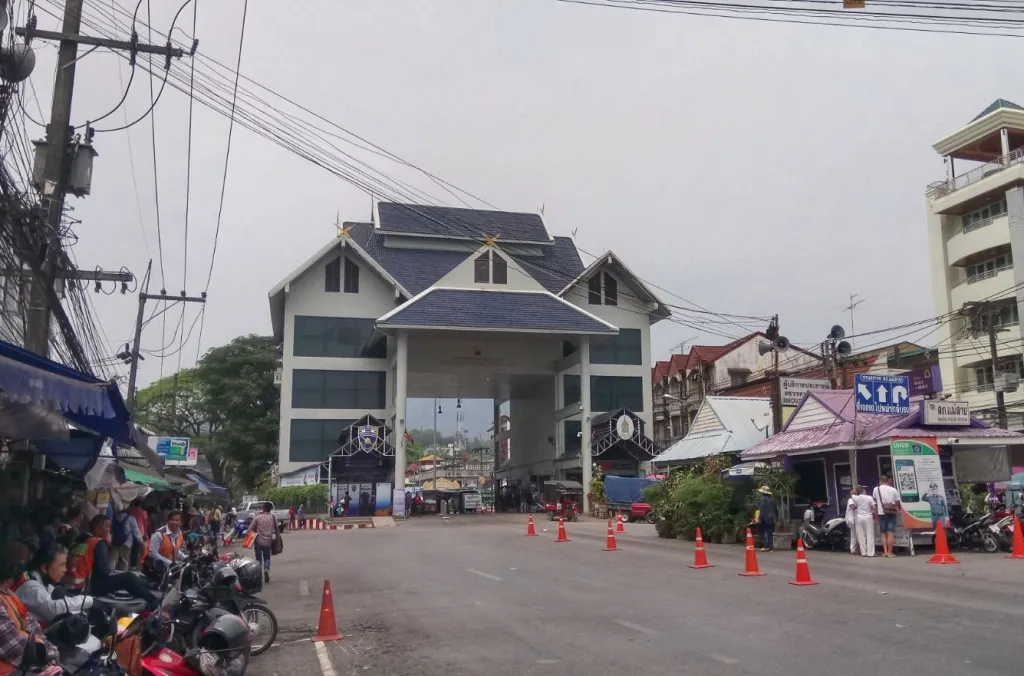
(585, 458)
(401, 393)
(497, 431)
(1004, 141)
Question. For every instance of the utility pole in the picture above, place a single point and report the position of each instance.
(976, 311)
(139, 323)
(776, 394)
(854, 302)
(59, 155)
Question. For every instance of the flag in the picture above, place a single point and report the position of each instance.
(408, 438)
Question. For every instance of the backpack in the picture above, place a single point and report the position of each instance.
(119, 532)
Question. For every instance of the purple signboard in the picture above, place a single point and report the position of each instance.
(924, 380)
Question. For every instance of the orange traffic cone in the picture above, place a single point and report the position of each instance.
(327, 629)
(942, 554)
(751, 568)
(700, 557)
(531, 532)
(1018, 540)
(621, 528)
(561, 531)
(803, 572)
(610, 545)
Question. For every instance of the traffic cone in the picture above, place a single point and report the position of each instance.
(621, 528)
(327, 629)
(942, 554)
(561, 531)
(700, 557)
(1018, 540)
(530, 531)
(803, 572)
(751, 568)
(610, 544)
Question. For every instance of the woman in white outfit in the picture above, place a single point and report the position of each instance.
(865, 521)
(851, 520)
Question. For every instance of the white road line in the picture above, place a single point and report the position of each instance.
(482, 574)
(303, 588)
(639, 628)
(723, 659)
(325, 661)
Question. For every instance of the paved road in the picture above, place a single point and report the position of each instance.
(476, 597)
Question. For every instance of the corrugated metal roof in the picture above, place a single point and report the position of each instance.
(737, 429)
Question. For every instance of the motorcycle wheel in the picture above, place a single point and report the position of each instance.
(990, 543)
(263, 624)
(808, 543)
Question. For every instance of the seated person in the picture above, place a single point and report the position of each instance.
(17, 626)
(93, 573)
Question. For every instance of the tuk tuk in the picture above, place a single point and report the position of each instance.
(563, 499)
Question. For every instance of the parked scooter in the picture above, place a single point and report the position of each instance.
(832, 534)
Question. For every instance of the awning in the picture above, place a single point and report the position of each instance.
(85, 401)
(206, 486)
(138, 477)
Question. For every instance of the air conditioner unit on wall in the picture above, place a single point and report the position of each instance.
(1007, 382)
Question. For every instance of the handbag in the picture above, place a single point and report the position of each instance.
(250, 538)
(277, 545)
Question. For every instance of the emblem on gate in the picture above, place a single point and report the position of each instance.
(367, 438)
(625, 427)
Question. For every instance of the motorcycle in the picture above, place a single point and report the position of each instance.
(832, 534)
(980, 533)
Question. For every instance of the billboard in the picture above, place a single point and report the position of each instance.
(175, 450)
(918, 478)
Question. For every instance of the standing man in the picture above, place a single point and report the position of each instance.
(345, 500)
(887, 504)
(865, 522)
(766, 513)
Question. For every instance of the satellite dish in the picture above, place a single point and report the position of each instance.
(782, 343)
(843, 349)
(764, 348)
(17, 62)
(837, 333)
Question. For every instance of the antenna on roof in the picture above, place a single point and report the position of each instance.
(541, 210)
(682, 344)
(574, 231)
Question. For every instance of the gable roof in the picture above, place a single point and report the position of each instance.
(659, 371)
(722, 425)
(612, 261)
(494, 310)
(677, 364)
(450, 222)
(996, 105)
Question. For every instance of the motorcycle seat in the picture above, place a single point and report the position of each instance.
(122, 604)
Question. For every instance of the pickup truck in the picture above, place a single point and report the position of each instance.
(248, 510)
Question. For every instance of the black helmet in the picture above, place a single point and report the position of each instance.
(223, 647)
(224, 576)
(250, 575)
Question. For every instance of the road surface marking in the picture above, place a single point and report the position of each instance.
(723, 659)
(482, 574)
(303, 588)
(547, 661)
(325, 661)
(639, 628)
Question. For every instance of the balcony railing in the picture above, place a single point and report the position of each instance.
(978, 225)
(941, 188)
(988, 274)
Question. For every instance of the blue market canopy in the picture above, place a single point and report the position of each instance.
(206, 486)
(27, 379)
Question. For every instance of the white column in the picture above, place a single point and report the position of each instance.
(1004, 141)
(401, 392)
(497, 431)
(585, 458)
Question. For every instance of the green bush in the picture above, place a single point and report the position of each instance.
(313, 498)
(695, 497)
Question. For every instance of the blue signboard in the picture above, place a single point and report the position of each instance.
(889, 395)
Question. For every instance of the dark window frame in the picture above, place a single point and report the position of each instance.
(594, 290)
(351, 276)
(611, 290)
(332, 390)
(317, 438)
(316, 336)
(498, 265)
(625, 349)
(482, 268)
(332, 276)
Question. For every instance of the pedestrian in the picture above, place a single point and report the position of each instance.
(345, 500)
(216, 518)
(887, 505)
(125, 538)
(417, 502)
(767, 510)
(265, 527)
(292, 523)
(865, 521)
(851, 520)
(300, 514)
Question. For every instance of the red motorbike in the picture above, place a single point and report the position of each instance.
(223, 648)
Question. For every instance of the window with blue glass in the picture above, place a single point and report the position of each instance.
(362, 390)
(573, 428)
(571, 386)
(336, 337)
(314, 440)
(621, 349)
(608, 393)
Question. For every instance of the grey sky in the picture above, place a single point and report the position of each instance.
(752, 168)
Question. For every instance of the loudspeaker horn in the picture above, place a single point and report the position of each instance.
(843, 349)
(781, 343)
(764, 348)
(837, 333)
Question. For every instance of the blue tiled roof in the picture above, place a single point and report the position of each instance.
(996, 105)
(420, 219)
(514, 310)
(418, 269)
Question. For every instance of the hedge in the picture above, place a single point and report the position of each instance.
(312, 498)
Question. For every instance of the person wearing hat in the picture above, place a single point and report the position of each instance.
(767, 510)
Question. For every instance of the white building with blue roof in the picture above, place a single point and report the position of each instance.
(429, 301)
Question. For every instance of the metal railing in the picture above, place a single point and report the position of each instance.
(941, 188)
(988, 274)
(978, 225)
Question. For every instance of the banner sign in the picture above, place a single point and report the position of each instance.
(175, 450)
(382, 500)
(946, 412)
(924, 380)
(793, 389)
(398, 498)
(918, 478)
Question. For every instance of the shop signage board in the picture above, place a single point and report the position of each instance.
(175, 450)
(793, 389)
(888, 395)
(946, 412)
(918, 478)
(924, 380)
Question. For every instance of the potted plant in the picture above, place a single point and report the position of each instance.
(782, 484)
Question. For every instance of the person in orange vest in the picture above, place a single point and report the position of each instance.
(17, 626)
(93, 573)
(167, 544)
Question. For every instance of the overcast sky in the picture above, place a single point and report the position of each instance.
(753, 168)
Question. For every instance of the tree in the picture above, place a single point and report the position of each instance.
(237, 381)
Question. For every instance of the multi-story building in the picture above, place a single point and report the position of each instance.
(975, 227)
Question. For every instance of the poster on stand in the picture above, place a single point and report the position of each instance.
(382, 504)
(353, 500)
(398, 497)
(917, 475)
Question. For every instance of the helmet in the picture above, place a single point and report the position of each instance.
(250, 575)
(224, 576)
(223, 648)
